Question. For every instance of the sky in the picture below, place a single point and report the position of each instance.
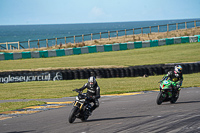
(28, 12)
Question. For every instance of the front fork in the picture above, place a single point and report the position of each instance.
(79, 106)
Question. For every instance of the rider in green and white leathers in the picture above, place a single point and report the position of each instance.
(175, 76)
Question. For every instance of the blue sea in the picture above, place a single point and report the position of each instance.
(23, 33)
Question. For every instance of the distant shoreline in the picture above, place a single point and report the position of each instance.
(103, 22)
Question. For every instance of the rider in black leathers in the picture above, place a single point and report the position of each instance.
(175, 76)
(93, 92)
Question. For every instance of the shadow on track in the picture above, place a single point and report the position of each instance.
(188, 102)
(22, 131)
(115, 118)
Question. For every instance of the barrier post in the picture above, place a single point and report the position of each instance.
(185, 25)
(56, 41)
(150, 29)
(65, 40)
(141, 30)
(133, 31)
(29, 44)
(82, 37)
(74, 39)
(109, 35)
(195, 25)
(176, 26)
(167, 27)
(91, 36)
(7, 45)
(47, 43)
(100, 35)
(158, 28)
(18, 45)
(125, 33)
(38, 43)
(117, 34)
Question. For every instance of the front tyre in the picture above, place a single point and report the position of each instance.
(72, 115)
(160, 98)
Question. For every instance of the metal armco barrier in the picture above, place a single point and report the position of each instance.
(68, 74)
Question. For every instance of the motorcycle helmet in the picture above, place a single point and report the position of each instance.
(178, 69)
(92, 81)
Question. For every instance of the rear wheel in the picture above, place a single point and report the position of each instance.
(72, 115)
(160, 98)
(175, 97)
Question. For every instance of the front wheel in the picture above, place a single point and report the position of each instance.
(160, 98)
(72, 115)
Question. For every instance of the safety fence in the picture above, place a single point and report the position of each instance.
(84, 37)
(69, 74)
(99, 48)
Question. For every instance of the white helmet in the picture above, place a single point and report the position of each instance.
(178, 69)
(92, 81)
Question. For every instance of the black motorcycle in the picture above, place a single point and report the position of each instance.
(81, 108)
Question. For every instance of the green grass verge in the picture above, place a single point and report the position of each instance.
(63, 88)
(8, 106)
(57, 89)
(188, 52)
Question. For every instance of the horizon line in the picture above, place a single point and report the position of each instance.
(101, 22)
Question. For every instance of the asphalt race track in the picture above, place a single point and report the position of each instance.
(118, 114)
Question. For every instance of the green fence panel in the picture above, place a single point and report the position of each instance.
(26, 55)
(108, 47)
(8, 56)
(92, 49)
(198, 37)
(138, 44)
(60, 52)
(44, 54)
(153, 43)
(169, 41)
(123, 46)
(185, 39)
(76, 50)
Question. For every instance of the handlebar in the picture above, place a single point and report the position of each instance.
(77, 90)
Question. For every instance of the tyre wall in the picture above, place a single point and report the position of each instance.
(68, 74)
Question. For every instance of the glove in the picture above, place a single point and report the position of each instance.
(77, 90)
(178, 86)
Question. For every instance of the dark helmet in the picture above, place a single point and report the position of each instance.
(178, 69)
(92, 81)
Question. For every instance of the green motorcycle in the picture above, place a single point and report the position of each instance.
(167, 92)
